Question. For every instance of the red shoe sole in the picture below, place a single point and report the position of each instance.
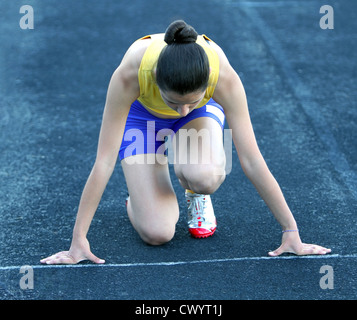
(200, 233)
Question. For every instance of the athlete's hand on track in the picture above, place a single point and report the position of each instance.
(291, 243)
(79, 251)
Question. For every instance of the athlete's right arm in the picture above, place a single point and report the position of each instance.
(123, 90)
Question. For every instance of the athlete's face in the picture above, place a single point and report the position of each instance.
(183, 104)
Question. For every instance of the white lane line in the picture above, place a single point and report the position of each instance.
(175, 263)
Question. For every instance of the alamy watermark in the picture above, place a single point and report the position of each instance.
(327, 20)
(327, 280)
(186, 146)
(27, 280)
(27, 20)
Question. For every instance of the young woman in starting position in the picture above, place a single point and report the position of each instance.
(166, 84)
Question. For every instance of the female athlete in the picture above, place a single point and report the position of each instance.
(179, 85)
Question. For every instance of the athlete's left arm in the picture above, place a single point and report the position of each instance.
(230, 94)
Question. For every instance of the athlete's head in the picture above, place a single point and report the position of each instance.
(183, 66)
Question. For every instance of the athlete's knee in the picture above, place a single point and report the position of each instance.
(205, 179)
(156, 236)
(207, 184)
(155, 224)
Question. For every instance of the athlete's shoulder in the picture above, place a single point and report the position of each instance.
(223, 61)
(135, 53)
(228, 78)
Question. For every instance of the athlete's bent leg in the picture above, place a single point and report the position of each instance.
(200, 168)
(152, 207)
(199, 155)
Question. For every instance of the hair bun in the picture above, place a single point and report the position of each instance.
(180, 32)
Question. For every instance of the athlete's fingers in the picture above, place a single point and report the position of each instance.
(95, 259)
(277, 252)
(314, 249)
(59, 258)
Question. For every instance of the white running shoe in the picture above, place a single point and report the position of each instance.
(201, 219)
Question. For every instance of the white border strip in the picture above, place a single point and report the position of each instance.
(175, 263)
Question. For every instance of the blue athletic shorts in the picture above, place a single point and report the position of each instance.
(144, 133)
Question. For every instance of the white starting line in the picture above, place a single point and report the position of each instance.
(175, 263)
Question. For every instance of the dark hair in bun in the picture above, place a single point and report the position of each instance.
(183, 65)
(180, 32)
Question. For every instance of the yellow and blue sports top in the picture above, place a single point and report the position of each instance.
(150, 95)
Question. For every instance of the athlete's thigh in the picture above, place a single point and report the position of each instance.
(199, 143)
(152, 198)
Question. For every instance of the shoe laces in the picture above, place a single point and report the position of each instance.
(197, 206)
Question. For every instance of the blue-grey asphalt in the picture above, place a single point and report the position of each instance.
(300, 81)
